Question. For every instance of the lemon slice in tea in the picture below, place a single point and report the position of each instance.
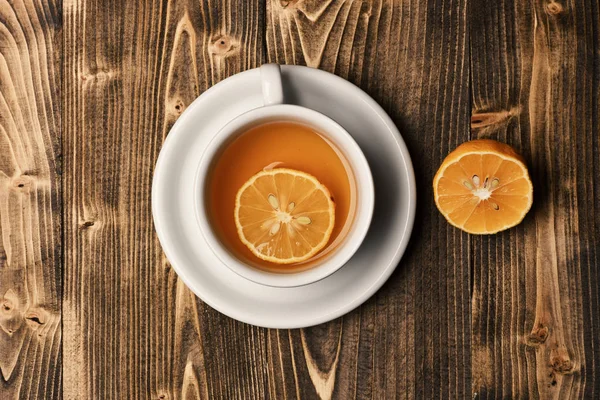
(284, 216)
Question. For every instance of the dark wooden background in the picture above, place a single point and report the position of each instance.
(91, 309)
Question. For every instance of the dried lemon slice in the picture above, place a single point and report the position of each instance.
(284, 216)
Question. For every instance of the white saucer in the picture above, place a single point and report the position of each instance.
(355, 282)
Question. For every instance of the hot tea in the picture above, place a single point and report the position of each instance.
(279, 146)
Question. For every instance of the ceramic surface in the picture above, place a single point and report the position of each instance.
(274, 307)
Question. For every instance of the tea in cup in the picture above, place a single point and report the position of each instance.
(284, 194)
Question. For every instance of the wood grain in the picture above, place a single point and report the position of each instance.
(411, 340)
(132, 329)
(89, 90)
(30, 201)
(536, 288)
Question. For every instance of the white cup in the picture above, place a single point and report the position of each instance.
(362, 191)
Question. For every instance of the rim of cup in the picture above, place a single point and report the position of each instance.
(363, 181)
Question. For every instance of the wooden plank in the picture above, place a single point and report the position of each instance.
(132, 329)
(536, 290)
(30, 201)
(120, 328)
(411, 340)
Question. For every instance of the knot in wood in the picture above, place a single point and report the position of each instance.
(87, 224)
(179, 107)
(538, 335)
(562, 365)
(22, 183)
(554, 8)
(36, 317)
(6, 306)
(222, 46)
(9, 301)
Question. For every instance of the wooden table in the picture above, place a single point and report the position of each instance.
(90, 307)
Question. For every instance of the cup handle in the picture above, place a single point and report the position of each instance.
(272, 90)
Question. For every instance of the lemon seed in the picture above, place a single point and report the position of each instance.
(273, 201)
(304, 220)
(274, 229)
